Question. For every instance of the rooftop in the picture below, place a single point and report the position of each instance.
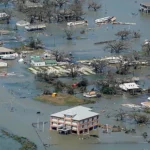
(129, 86)
(3, 49)
(36, 59)
(146, 4)
(50, 61)
(32, 5)
(78, 113)
(146, 104)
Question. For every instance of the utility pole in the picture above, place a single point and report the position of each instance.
(38, 119)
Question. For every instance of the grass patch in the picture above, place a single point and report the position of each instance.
(147, 110)
(62, 99)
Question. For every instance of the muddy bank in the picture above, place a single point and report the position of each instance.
(25, 143)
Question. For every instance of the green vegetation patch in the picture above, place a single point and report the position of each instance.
(62, 99)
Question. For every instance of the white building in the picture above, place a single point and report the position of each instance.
(77, 120)
(7, 52)
(37, 62)
(129, 86)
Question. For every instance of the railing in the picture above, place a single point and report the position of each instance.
(54, 120)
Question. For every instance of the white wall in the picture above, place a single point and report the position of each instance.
(37, 63)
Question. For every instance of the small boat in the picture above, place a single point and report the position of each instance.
(8, 57)
(106, 19)
(35, 27)
(84, 22)
(22, 23)
(90, 94)
(3, 64)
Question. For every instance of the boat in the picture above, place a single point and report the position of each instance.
(35, 27)
(22, 23)
(4, 16)
(90, 94)
(8, 57)
(83, 22)
(106, 19)
(3, 64)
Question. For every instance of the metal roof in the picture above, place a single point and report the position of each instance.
(129, 86)
(50, 61)
(3, 49)
(146, 4)
(78, 113)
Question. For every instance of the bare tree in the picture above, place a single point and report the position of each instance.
(121, 114)
(35, 43)
(69, 34)
(60, 3)
(59, 56)
(123, 34)
(136, 34)
(107, 85)
(77, 10)
(136, 55)
(73, 69)
(140, 119)
(122, 68)
(117, 46)
(70, 90)
(99, 66)
(35, 1)
(93, 5)
(59, 86)
(146, 48)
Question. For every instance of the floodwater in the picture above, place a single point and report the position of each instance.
(17, 91)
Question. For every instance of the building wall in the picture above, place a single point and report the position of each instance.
(37, 63)
(78, 126)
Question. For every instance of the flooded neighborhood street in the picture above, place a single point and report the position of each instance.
(23, 115)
